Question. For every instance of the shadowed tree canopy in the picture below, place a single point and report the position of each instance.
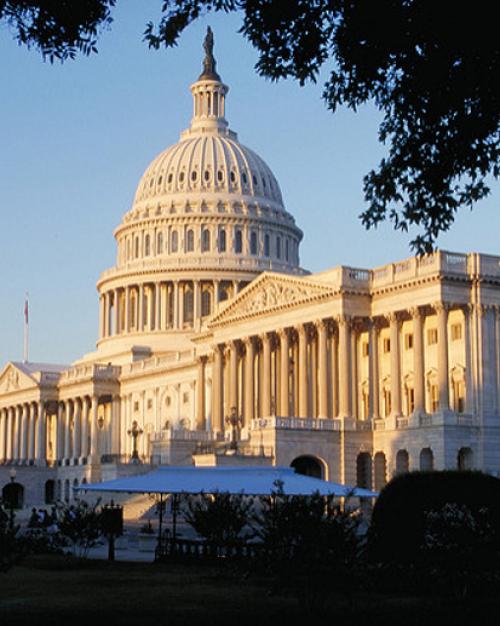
(431, 68)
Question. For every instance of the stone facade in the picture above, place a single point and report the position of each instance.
(210, 332)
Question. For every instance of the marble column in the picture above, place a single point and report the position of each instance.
(334, 374)
(16, 433)
(60, 432)
(116, 311)
(233, 377)
(24, 433)
(266, 375)
(94, 430)
(200, 394)
(157, 306)
(102, 308)
(77, 429)
(418, 361)
(2, 435)
(217, 375)
(41, 443)
(469, 385)
(9, 434)
(180, 305)
(395, 365)
(196, 303)
(284, 395)
(67, 429)
(303, 390)
(373, 375)
(344, 365)
(85, 428)
(140, 309)
(322, 374)
(31, 446)
(248, 407)
(442, 356)
(127, 309)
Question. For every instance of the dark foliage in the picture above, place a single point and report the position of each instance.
(310, 545)
(412, 503)
(58, 29)
(431, 68)
(219, 518)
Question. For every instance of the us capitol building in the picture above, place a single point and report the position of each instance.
(215, 347)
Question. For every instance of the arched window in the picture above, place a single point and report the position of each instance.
(136, 248)
(364, 470)
(147, 245)
(206, 303)
(222, 240)
(278, 247)
(205, 240)
(402, 462)
(380, 470)
(426, 460)
(253, 242)
(133, 307)
(128, 249)
(238, 241)
(159, 243)
(190, 241)
(287, 251)
(465, 459)
(174, 244)
(266, 245)
(188, 305)
(308, 466)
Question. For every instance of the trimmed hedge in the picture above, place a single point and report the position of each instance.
(398, 520)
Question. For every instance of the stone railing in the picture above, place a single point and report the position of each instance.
(183, 435)
(158, 361)
(94, 371)
(294, 423)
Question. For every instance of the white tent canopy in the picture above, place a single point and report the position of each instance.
(234, 480)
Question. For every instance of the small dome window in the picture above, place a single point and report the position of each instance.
(160, 179)
(232, 176)
(220, 176)
(194, 175)
(206, 175)
(244, 178)
(169, 179)
(151, 182)
(181, 177)
(254, 178)
(264, 183)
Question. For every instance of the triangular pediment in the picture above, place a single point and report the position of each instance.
(272, 292)
(13, 379)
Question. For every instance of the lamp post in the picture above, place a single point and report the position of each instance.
(235, 421)
(12, 475)
(134, 432)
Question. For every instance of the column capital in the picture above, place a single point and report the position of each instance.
(393, 317)
(440, 307)
(415, 312)
(343, 320)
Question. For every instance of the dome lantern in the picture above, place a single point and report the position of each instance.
(209, 96)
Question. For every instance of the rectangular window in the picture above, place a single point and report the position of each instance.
(408, 341)
(136, 406)
(365, 349)
(150, 404)
(387, 344)
(185, 397)
(387, 402)
(411, 400)
(456, 332)
(459, 397)
(434, 398)
(432, 336)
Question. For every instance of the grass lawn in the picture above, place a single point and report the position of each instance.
(52, 592)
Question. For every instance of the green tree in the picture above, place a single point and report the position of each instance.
(80, 526)
(431, 68)
(219, 518)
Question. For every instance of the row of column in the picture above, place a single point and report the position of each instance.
(311, 370)
(37, 432)
(161, 305)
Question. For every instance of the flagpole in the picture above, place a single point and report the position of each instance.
(26, 329)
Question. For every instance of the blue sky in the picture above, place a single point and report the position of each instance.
(76, 138)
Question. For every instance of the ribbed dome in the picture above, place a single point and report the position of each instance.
(208, 164)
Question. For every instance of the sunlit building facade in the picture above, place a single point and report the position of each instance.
(216, 347)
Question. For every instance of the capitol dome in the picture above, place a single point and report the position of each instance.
(207, 218)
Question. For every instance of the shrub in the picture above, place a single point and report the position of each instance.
(399, 519)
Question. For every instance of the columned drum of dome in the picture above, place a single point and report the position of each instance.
(207, 218)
